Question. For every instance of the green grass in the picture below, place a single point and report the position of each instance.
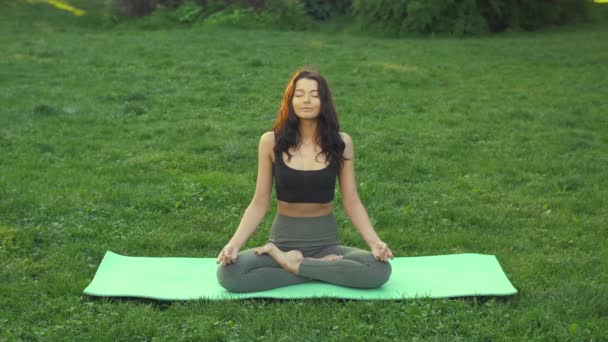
(144, 143)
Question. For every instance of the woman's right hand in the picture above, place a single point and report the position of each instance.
(227, 255)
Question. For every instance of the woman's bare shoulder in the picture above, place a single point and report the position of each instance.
(268, 137)
(346, 138)
(348, 145)
(267, 144)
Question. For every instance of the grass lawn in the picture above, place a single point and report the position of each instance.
(144, 142)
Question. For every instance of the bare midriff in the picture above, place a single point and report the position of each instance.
(304, 209)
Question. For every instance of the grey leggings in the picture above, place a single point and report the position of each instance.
(315, 237)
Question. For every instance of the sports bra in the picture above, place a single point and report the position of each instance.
(303, 186)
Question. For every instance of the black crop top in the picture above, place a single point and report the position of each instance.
(303, 186)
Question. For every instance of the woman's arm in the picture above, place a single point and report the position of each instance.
(353, 206)
(259, 204)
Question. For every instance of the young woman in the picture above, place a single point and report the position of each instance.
(304, 153)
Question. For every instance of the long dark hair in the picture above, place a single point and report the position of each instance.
(286, 126)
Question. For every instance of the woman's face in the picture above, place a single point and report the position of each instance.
(306, 102)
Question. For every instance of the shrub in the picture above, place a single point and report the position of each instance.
(530, 15)
(210, 7)
(132, 8)
(188, 12)
(384, 15)
(325, 9)
(463, 17)
(444, 16)
(290, 14)
(239, 18)
(495, 13)
(276, 14)
(172, 4)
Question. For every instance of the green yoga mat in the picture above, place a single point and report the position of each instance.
(172, 278)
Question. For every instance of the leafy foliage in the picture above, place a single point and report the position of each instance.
(392, 17)
(386, 15)
(464, 17)
(133, 8)
(188, 12)
(530, 15)
(277, 14)
(257, 14)
(444, 16)
(325, 9)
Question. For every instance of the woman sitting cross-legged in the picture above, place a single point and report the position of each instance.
(304, 153)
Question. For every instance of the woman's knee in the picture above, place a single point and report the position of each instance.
(229, 277)
(380, 272)
(384, 271)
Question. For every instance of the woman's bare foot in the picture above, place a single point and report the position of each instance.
(332, 257)
(290, 261)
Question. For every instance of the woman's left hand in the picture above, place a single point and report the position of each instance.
(381, 251)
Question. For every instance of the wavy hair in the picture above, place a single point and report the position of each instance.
(286, 126)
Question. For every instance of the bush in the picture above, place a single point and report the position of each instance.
(324, 9)
(531, 15)
(464, 17)
(276, 14)
(188, 12)
(172, 4)
(255, 14)
(290, 13)
(535, 14)
(392, 17)
(131, 8)
(387, 16)
(444, 16)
